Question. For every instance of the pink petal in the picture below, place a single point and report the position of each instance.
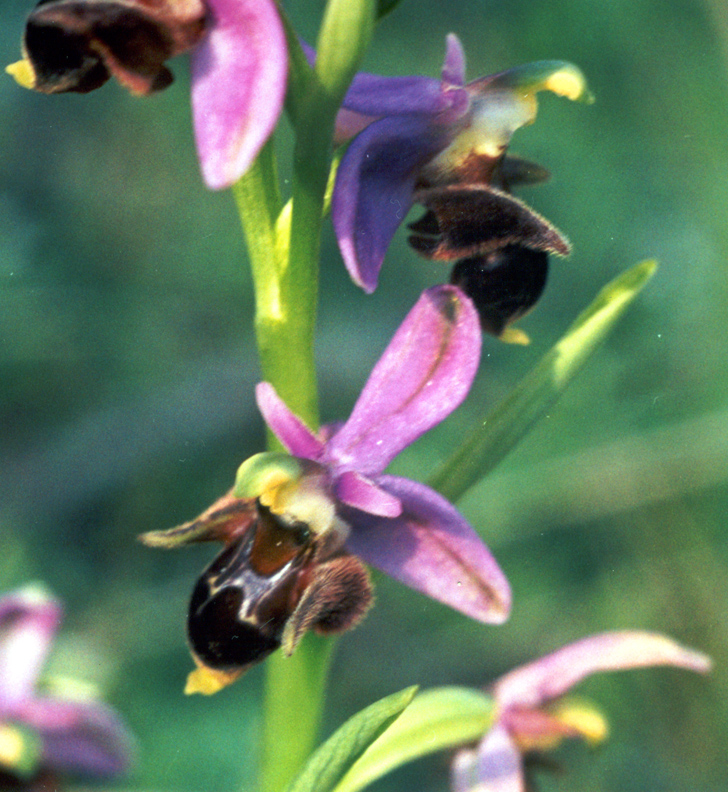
(432, 549)
(423, 375)
(495, 767)
(298, 439)
(28, 620)
(238, 86)
(362, 493)
(545, 679)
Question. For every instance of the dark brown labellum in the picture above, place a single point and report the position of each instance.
(267, 588)
(503, 285)
(469, 220)
(77, 45)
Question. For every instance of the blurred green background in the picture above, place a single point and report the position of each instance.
(127, 369)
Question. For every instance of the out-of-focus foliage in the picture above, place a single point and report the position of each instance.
(127, 371)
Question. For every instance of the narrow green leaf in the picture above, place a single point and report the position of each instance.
(301, 79)
(344, 37)
(484, 448)
(329, 763)
(437, 719)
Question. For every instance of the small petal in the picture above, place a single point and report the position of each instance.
(374, 185)
(495, 767)
(432, 549)
(225, 520)
(543, 680)
(238, 86)
(423, 375)
(298, 439)
(453, 69)
(362, 493)
(79, 736)
(29, 618)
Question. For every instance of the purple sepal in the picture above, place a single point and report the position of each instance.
(423, 375)
(432, 549)
(238, 86)
(298, 439)
(496, 765)
(374, 186)
(79, 737)
(374, 95)
(553, 675)
(29, 619)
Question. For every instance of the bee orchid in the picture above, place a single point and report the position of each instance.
(238, 62)
(43, 735)
(297, 525)
(533, 716)
(443, 144)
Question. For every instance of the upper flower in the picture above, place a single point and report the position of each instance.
(239, 64)
(43, 733)
(532, 717)
(295, 524)
(443, 144)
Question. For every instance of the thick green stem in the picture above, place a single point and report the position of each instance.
(285, 290)
(284, 246)
(294, 698)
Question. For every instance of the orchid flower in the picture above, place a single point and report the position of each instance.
(443, 144)
(40, 733)
(533, 716)
(296, 524)
(239, 64)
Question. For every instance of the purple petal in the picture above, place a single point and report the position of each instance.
(238, 86)
(374, 186)
(423, 375)
(495, 767)
(297, 438)
(432, 549)
(80, 736)
(543, 680)
(362, 493)
(374, 95)
(28, 620)
(453, 69)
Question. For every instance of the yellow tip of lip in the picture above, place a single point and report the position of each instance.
(513, 335)
(568, 84)
(22, 72)
(208, 681)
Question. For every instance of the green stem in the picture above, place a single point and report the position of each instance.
(285, 289)
(294, 698)
(284, 254)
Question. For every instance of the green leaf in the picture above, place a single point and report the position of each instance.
(508, 423)
(343, 39)
(329, 763)
(300, 73)
(437, 719)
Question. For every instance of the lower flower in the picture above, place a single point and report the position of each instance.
(296, 524)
